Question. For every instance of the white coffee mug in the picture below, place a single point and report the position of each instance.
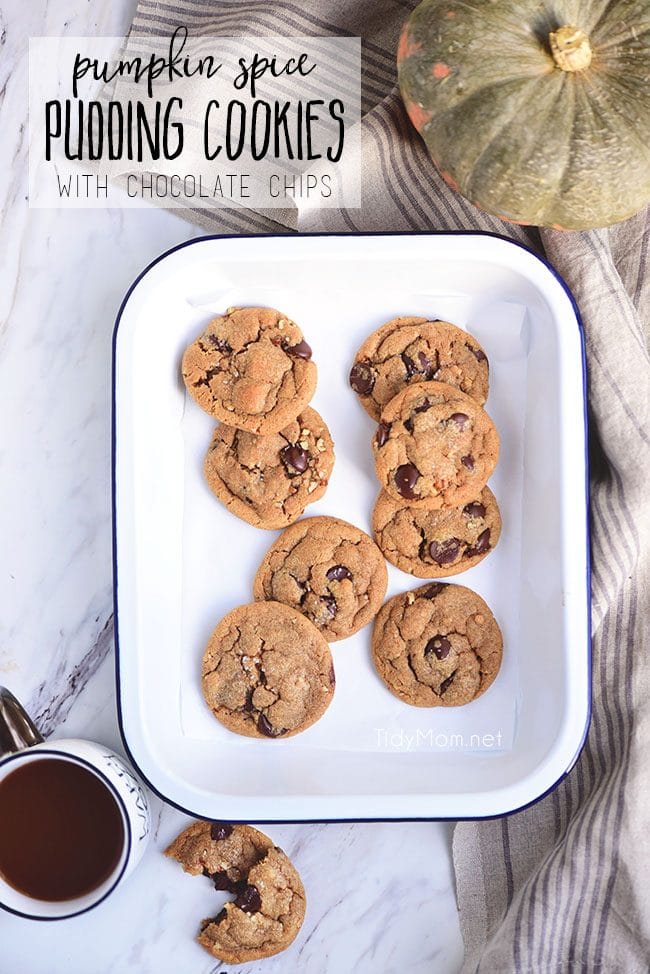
(20, 741)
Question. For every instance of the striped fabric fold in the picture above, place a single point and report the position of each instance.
(561, 886)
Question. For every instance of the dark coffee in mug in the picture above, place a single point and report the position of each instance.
(61, 830)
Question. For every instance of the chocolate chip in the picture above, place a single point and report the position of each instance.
(481, 546)
(249, 900)
(444, 686)
(382, 434)
(409, 365)
(265, 727)
(474, 510)
(444, 552)
(433, 590)
(249, 706)
(220, 344)
(362, 378)
(220, 830)
(478, 352)
(468, 461)
(428, 368)
(330, 604)
(422, 408)
(294, 458)
(439, 646)
(460, 419)
(301, 350)
(337, 573)
(423, 366)
(406, 477)
(332, 676)
(222, 881)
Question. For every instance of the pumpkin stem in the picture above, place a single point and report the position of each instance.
(570, 48)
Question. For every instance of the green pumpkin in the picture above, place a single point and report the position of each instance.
(536, 111)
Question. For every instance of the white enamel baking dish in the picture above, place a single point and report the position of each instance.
(181, 560)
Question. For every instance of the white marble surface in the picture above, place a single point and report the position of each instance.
(380, 895)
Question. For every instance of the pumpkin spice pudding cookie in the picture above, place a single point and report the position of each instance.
(434, 447)
(434, 544)
(267, 671)
(269, 905)
(251, 368)
(437, 646)
(269, 480)
(407, 350)
(329, 570)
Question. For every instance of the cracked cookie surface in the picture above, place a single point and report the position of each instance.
(250, 368)
(435, 544)
(437, 646)
(434, 447)
(267, 671)
(269, 480)
(269, 905)
(408, 350)
(329, 570)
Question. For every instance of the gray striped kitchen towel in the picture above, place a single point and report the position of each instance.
(563, 885)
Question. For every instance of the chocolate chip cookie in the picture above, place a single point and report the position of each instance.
(267, 671)
(434, 544)
(269, 480)
(329, 570)
(251, 368)
(269, 905)
(434, 447)
(437, 646)
(407, 350)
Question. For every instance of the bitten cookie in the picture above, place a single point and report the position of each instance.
(269, 905)
(434, 544)
(435, 447)
(269, 480)
(267, 671)
(329, 570)
(251, 368)
(437, 646)
(407, 350)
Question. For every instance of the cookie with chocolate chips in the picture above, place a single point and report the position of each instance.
(267, 671)
(437, 646)
(434, 544)
(407, 350)
(434, 447)
(269, 899)
(250, 368)
(329, 570)
(269, 480)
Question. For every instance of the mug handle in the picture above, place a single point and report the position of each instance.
(17, 730)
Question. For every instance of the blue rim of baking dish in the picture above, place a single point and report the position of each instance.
(378, 233)
(127, 831)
